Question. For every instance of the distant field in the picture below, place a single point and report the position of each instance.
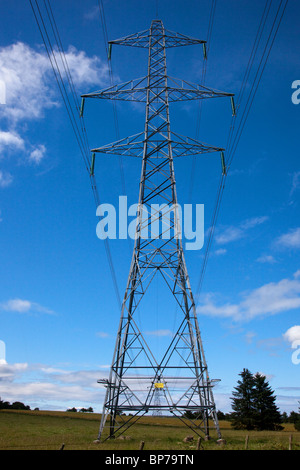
(46, 430)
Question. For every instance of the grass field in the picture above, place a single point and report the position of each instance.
(46, 430)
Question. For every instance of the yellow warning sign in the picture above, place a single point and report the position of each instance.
(159, 385)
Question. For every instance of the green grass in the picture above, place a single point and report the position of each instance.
(46, 430)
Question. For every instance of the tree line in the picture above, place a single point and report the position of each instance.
(17, 405)
(82, 410)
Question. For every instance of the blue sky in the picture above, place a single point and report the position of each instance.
(58, 309)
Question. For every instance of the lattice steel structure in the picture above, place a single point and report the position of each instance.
(136, 376)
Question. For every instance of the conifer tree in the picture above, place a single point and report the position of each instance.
(253, 403)
(266, 413)
(243, 407)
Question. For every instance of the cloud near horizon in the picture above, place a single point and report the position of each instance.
(46, 387)
(269, 299)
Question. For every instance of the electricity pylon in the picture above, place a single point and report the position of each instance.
(136, 374)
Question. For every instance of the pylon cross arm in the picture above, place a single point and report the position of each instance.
(137, 90)
(133, 146)
(142, 39)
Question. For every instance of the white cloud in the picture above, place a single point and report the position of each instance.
(221, 251)
(17, 305)
(85, 70)
(269, 299)
(102, 334)
(233, 233)
(208, 307)
(289, 240)
(249, 336)
(2, 352)
(295, 182)
(266, 259)
(93, 13)
(30, 82)
(5, 179)
(37, 155)
(159, 333)
(31, 90)
(47, 387)
(23, 306)
(10, 139)
(87, 378)
(271, 345)
(8, 372)
(47, 392)
(251, 223)
(228, 235)
(26, 74)
(292, 334)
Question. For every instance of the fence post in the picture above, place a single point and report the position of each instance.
(246, 441)
(142, 445)
(290, 441)
(199, 443)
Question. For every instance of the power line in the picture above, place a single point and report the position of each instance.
(204, 68)
(258, 75)
(67, 69)
(262, 64)
(79, 129)
(58, 77)
(105, 36)
(249, 66)
(116, 122)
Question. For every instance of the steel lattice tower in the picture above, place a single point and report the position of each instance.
(135, 374)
